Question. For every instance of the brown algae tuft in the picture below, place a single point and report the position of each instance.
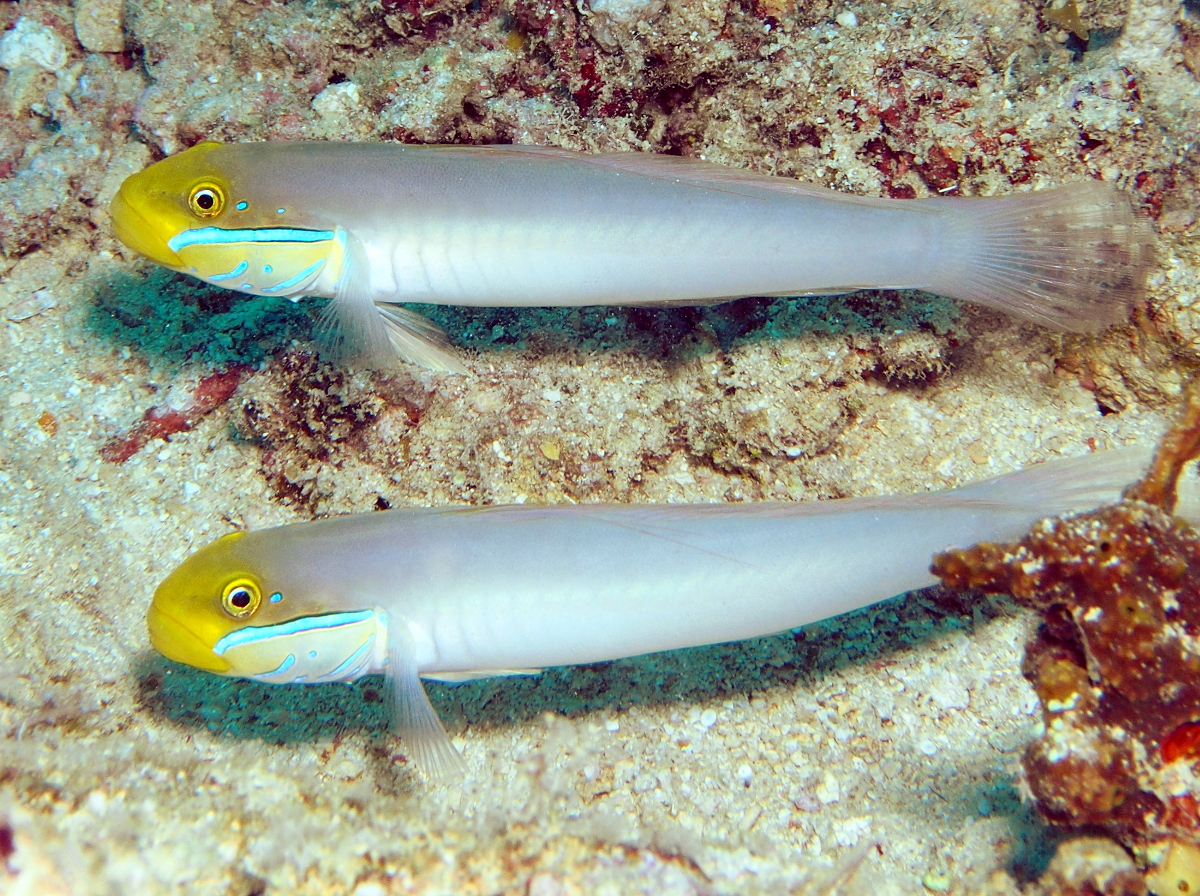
(1115, 662)
(1066, 16)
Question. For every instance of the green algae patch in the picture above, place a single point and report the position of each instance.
(686, 331)
(164, 315)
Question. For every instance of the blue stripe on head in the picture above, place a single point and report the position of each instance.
(236, 272)
(212, 236)
(298, 279)
(282, 667)
(351, 660)
(254, 633)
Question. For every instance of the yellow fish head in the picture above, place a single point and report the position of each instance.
(218, 612)
(209, 595)
(169, 197)
(192, 213)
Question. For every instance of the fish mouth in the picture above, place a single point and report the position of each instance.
(177, 642)
(138, 233)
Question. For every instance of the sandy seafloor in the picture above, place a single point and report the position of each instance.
(888, 738)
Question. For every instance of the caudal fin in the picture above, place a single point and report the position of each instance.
(1073, 258)
(1064, 485)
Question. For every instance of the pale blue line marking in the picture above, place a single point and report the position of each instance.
(202, 236)
(253, 633)
(241, 206)
(283, 667)
(276, 597)
(312, 654)
(236, 272)
(280, 211)
(351, 660)
(298, 279)
(267, 269)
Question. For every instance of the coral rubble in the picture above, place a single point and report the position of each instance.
(891, 729)
(1116, 660)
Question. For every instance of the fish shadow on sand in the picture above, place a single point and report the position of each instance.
(827, 660)
(811, 657)
(169, 316)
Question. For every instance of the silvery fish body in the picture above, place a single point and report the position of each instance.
(373, 225)
(465, 592)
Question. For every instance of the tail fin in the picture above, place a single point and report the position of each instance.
(1065, 485)
(1072, 485)
(1188, 505)
(1073, 258)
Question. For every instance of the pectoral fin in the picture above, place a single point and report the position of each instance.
(354, 327)
(413, 716)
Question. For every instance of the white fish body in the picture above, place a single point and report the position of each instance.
(373, 225)
(457, 593)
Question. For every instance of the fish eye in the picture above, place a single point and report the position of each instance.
(241, 598)
(206, 200)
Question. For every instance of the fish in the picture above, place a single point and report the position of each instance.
(373, 225)
(466, 592)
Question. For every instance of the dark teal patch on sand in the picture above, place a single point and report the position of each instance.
(176, 318)
(685, 331)
(164, 315)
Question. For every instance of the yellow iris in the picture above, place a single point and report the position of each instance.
(206, 200)
(241, 598)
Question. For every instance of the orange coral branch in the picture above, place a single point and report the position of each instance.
(1180, 445)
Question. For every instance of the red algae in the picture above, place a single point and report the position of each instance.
(164, 421)
(1116, 659)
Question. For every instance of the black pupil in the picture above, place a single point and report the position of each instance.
(205, 200)
(240, 598)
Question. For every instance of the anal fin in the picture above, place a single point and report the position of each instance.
(474, 674)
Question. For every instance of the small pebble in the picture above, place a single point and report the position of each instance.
(338, 102)
(829, 790)
(98, 25)
(708, 718)
(847, 19)
(936, 881)
(645, 783)
(545, 884)
(31, 43)
(26, 308)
